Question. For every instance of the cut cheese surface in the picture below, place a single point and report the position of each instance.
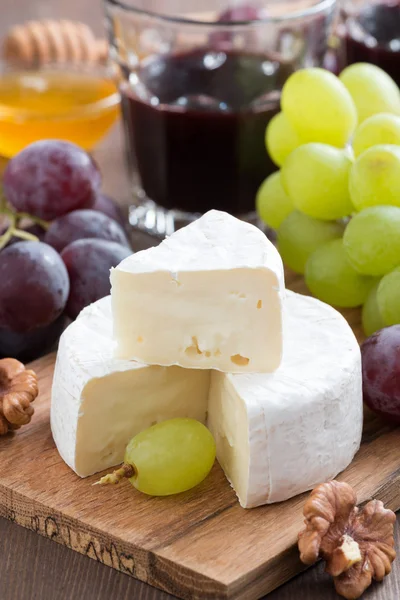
(99, 403)
(209, 296)
(282, 433)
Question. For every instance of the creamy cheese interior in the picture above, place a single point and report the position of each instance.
(237, 327)
(117, 407)
(228, 422)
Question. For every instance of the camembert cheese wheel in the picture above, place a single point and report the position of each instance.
(277, 434)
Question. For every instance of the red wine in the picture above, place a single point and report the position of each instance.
(196, 125)
(373, 36)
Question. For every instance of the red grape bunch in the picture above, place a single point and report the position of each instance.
(59, 263)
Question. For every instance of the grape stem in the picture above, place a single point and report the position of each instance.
(7, 235)
(3, 201)
(43, 224)
(14, 219)
(6, 209)
(125, 471)
(25, 235)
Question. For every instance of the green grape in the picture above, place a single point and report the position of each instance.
(319, 107)
(168, 458)
(371, 315)
(372, 240)
(280, 139)
(378, 129)
(299, 236)
(372, 90)
(316, 178)
(388, 297)
(272, 203)
(375, 177)
(331, 278)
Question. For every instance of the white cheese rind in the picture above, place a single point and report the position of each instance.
(207, 297)
(99, 402)
(302, 424)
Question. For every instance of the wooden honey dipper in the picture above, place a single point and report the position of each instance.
(38, 43)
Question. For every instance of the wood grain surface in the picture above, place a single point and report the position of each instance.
(33, 567)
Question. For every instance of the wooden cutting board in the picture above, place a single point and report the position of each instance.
(200, 544)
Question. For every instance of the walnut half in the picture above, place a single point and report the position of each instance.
(18, 388)
(357, 545)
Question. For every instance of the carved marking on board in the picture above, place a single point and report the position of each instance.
(35, 524)
(51, 527)
(54, 528)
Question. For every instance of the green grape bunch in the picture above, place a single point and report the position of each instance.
(335, 200)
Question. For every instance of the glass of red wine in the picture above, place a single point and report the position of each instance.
(200, 80)
(369, 31)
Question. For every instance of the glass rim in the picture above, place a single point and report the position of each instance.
(319, 7)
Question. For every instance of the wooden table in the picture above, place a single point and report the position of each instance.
(32, 567)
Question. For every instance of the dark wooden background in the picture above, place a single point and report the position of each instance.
(34, 568)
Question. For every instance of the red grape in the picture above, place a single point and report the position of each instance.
(81, 224)
(34, 286)
(29, 346)
(381, 372)
(109, 207)
(88, 263)
(50, 178)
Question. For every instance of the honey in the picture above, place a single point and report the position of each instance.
(78, 107)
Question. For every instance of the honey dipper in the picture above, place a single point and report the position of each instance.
(38, 43)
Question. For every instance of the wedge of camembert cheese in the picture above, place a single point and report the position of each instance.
(277, 434)
(207, 297)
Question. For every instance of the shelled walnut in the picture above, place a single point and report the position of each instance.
(18, 389)
(357, 545)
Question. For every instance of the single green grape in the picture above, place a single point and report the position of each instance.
(371, 317)
(299, 236)
(316, 178)
(372, 89)
(388, 298)
(272, 203)
(375, 177)
(331, 278)
(372, 240)
(319, 107)
(168, 458)
(379, 129)
(280, 139)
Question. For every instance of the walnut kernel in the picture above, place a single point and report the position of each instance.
(18, 389)
(357, 545)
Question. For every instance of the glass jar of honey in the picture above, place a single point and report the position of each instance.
(70, 104)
